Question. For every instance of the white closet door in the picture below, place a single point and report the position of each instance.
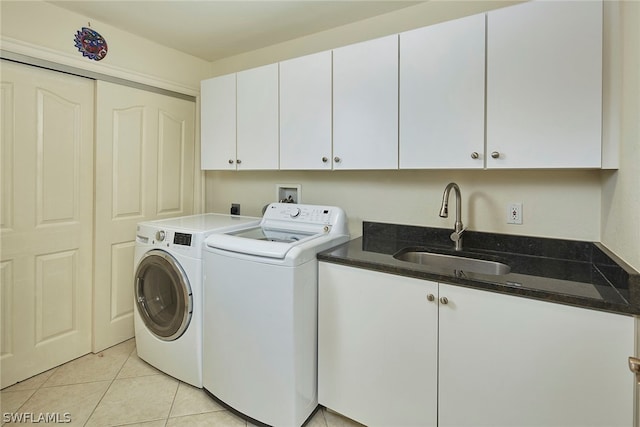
(144, 171)
(47, 219)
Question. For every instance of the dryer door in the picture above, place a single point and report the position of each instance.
(163, 295)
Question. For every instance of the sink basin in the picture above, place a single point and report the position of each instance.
(453, 262)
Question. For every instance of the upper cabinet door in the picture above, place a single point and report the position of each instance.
(257, 120)
(365, 105)
(305, 112)
(442, 95)
(544, 85)
(218, 123)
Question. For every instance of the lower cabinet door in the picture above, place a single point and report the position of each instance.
(511, 361)
(377, 348)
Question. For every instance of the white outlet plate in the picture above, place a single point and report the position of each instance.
(514, 213)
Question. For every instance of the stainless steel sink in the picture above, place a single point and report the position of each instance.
(454, 262)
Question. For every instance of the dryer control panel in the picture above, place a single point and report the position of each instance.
(183, 239)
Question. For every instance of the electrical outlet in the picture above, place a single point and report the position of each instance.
(514, 213)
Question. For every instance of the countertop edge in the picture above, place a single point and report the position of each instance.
(586, 303)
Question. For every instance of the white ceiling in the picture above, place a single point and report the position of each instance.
(212, 29)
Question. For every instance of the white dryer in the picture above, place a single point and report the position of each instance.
(168, 291)
(260, 300)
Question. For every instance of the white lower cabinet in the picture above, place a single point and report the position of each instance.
(401, 351)
(377, 346)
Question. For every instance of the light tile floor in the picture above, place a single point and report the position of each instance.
(116, 388)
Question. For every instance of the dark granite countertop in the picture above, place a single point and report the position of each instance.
(577, 273)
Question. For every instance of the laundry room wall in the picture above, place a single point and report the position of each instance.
(420, 15)
(41, 30)
(621, 189)
(565, 204)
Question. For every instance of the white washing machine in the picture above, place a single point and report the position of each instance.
(168, 291)
(261, 302)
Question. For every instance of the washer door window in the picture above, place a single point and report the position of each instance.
(163, 295)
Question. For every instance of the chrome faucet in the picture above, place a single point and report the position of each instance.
(456, 236)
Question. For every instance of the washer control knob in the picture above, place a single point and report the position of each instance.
(160, 235)
(295, 213)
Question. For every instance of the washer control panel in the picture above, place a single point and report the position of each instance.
(302, 213)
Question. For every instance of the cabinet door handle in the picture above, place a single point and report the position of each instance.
(430, 297)
(495, 154)
(230, 161)
(475, 155)
(634, 366)
(444, 300)
(325, 159)
(336, 159)
(238, 161)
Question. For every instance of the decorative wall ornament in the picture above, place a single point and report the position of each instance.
(91, 44)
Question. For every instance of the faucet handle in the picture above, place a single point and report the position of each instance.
(457, 235)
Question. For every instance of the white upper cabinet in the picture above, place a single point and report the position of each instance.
(257, 121)
(518, 88)
(365, 105)
(544, 85)
(442, 95)
(305, 112)
(218, 123)
(239, 116)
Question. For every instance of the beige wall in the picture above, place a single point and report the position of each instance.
(37, 28)
(581, 205)
(424, 14)
(587, 205)
(621, 189)
(556, 204)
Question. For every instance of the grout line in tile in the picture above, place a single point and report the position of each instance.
(172, 403)
(110, 385)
